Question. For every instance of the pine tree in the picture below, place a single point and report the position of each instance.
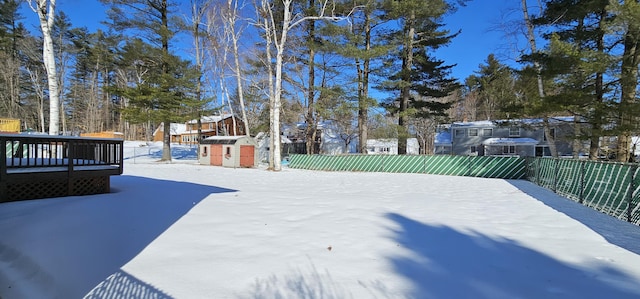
(577, 60)
(153, 20)
(420, 77)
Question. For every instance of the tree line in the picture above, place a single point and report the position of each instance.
(274, 62)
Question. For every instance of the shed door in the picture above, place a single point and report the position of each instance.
(216, 154)
(247, 155)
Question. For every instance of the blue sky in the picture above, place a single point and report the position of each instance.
(478, 21)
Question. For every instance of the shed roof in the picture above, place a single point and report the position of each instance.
(222, 139)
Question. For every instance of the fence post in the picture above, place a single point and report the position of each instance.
(555, 174)
(630, 192)
(581, 199)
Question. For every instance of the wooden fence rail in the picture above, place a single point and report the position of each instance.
(41, 166)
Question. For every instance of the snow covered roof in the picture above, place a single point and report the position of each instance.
(529, 121)
(211, 118)
(177, 129)
(510, 141)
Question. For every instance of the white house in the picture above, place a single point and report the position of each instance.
(390, 146)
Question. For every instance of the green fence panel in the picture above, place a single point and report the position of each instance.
(545, 172)
(612, 188)
(568, 178)
(446, 165)
(606, 188)
(498, 167)
(634, 197)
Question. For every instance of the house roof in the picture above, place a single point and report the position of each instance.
(175, 129)
(528, 121)
(211, 118)
(510, 141)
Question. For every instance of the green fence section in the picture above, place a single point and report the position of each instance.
(612, 188)
(487, 167)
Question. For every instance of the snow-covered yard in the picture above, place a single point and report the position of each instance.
(184, 230)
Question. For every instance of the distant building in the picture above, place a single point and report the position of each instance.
(523, 137)
(214, 125)
(390, 146)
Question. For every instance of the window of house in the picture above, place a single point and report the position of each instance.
(514, 132)
(473, 132)
(509, 149)
(553, 133)
(458, 133)
(487, 132)
(228, 151)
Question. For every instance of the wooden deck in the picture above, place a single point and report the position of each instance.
(43, 166)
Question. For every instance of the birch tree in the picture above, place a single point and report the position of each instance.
(278, 30)
(46, 15)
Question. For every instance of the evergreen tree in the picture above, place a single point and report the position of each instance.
(494, 83)
(577, 60)
(153, 20)
(157, 96)
(11, 32)
(415, 76)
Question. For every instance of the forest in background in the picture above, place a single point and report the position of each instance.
(367, 67)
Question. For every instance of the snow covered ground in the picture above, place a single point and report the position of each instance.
(184, 230)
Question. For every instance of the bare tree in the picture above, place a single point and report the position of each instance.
(46, 13)
(234, 31)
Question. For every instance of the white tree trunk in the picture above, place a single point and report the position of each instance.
(46, 12)
(280, 43)
(232, 14)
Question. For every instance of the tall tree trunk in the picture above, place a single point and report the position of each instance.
(166, 147)
(310, 130)
(363, 87)
(629, 83)
(46, 13)
(267, 23)
(551, 141)
(405, 89)
(233, 11)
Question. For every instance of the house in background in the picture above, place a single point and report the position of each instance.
(214, 125)
(508, 138)
(442, 144)
(390, 146)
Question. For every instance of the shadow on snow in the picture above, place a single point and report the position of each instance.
(616, 231)
(446, 263)
(108, 231)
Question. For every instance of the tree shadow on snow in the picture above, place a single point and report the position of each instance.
(87, 239)
(124, 285)
(618, 232)
(445, 263)
(178, 153)
(302, 283)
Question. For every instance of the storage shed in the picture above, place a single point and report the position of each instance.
(228, 151)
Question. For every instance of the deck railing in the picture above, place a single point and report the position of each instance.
(38, 161)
